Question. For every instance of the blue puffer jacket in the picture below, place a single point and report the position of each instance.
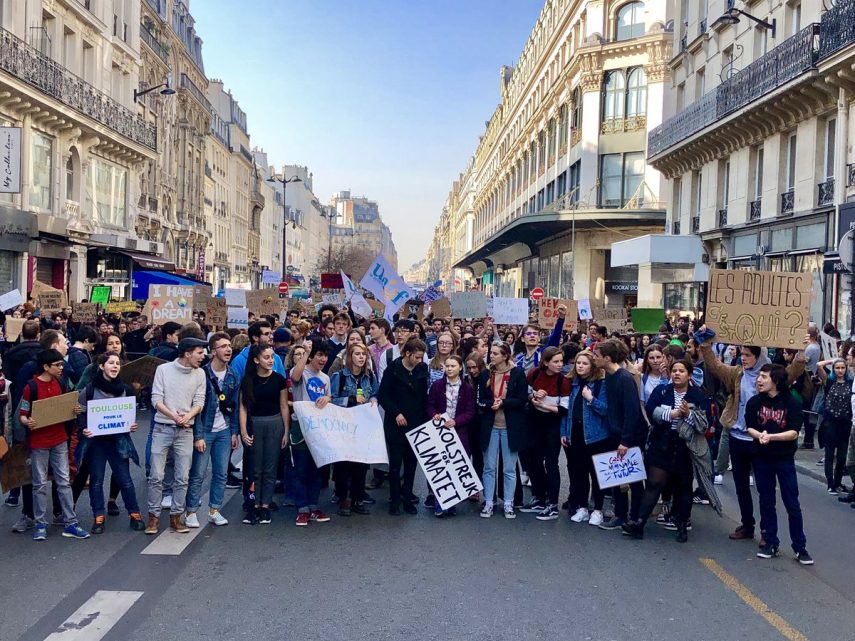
(594, 412)
(343, 386)
(204, 422)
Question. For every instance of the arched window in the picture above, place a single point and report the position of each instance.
(636, 93)
(613, 95)
(576, 118)
(630, 21)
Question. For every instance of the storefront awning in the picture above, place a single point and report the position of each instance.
(672, 258)
(147, 261)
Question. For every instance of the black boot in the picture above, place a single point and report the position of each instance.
(633, 530)
(848, 498)
(682, 533)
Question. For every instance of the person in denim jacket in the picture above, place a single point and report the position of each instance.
(215, 432)
(585, 432)
(353, 385)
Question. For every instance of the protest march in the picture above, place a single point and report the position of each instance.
(330, 401)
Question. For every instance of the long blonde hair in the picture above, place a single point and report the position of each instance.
(596, 372)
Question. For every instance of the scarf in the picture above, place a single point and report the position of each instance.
(114, 388)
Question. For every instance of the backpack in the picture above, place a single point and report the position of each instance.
(838, 400)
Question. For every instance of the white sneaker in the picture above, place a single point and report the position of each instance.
(730, 467)
(191, 520)
(217, 519)
(509, 511)
(166, 501)
(580, 516)
(524, 479)
(719, 479)
(751, 481)
(596, 518)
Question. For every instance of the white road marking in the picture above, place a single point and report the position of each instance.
(96, 617)
(169, 543)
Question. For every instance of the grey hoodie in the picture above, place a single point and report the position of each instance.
(747, 389)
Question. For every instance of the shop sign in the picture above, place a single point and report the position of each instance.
(17, 228)
(621, 287)
(10, 160)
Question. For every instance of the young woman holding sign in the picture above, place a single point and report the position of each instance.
(118, 449)
(454, 396)
(353, 385)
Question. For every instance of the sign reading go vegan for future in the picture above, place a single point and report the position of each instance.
(111, 415)
(767, 309)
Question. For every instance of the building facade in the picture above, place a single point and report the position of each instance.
(559, 173)
(757, 149)
(358, 224)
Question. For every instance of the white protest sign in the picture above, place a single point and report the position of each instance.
(829, 346)
(510, 311)
(613, 470)
(11, 299)
(468, 304)
(342, 433)
(585, 309)
(332, 299)
(111, 415)
(270, 277)
(238, 318)
(360, 306)
(235, 297)
(444, 462)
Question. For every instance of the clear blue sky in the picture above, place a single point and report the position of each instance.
(386, 98)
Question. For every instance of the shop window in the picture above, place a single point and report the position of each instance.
(745, 245)
(554, 276)
(810, 236)
(782, 240)
(108, 193)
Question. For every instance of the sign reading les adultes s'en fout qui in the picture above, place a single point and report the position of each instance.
(767, 309)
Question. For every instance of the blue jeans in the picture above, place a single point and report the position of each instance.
(499, 438)
(766, 472)
(218, 447)
(103, 450)
(307, 480)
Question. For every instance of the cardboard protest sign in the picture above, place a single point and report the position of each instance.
(57, 409)
(263, 302)
(238, 318)
(52, 301)
(216, 313)
(17, 469)
(169, 303)
(441, 308)
(767, 309)
(13, 328)
(547, 313)
(647, 320)
(201, 294)
(415, 308)
(468, 304)
(342, 434)
(85, 313)
(444, 462)
(140, 371)
(614, 319)
(111, 415)
(11, 299)
(4, 447)
(120, 308)
(613, 471)
(510, 311)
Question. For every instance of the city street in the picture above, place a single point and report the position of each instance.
(383, 577)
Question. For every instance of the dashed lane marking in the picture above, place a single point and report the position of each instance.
(96, 617)
(755, 603)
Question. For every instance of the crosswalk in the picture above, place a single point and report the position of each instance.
(92, 620)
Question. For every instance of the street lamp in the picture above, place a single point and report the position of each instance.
(329, 216)
(731, 17)
(284, 182)
(166, 91)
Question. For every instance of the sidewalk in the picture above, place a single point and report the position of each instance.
(806, 464)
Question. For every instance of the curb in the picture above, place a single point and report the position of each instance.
(806, 470)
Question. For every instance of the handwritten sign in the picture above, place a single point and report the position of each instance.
(57, 409)
(510, 311)
(342, 434)
(238, 318)
(236, 297)
(169, 303)
(120, 308)
(441, 308)
(585, 312)
(613, 471)
(766, 309)
(263, 302)
(111, 415)
(829, 346)
(10, 160)
(11, 299)
(85, 313)
(468, 305)
(547, 313)
(52, 301)
(101, 294)
(444, 462)
(332, 299)
(217, 312)
(13, 328)
(614, 319)
(140, 371)
(17, 469)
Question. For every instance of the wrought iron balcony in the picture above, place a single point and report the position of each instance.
(620, 125)
(148, 37)
(754, 209)
(696, 224)
(194, 91)
(837, 27)
(702, 26)
(675, 228)
(684, 43)
(208, 171)
(722, 217)
(29, 65)
(794, 56)
(850, 175)
(825, 192)
(788, 202)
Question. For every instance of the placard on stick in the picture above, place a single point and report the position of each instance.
(766, 309)
(547, 313)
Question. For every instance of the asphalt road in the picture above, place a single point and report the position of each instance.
(420, 578)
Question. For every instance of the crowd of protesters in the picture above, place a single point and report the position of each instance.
(517, 397)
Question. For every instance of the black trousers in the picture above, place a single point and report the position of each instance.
(349, 479)
(836, 444)
(544, 435)
(742, 458)
(400, 453)
(583, 477)
(674, 472)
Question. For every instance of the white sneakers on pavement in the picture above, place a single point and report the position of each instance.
(191, 520)
(217, 519)
(596, 518)
(719, 479)
(580, 516)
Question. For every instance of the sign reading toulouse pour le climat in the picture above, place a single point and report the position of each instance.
(111, 415)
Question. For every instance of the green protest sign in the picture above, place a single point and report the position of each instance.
(647, 320)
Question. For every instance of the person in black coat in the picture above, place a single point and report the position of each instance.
(403, 397)
(502, 396)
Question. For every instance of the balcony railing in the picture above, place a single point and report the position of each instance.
(191, 87)
(208, 171)
(696, 224)
(702, 26)
(722, 217)
(825, 192)
(837, 27)
(754, 209)
(148, 38)
(850, 175)
(675, 228)
(788, 202)
(48, 76)
(619, 125)
(792, 57)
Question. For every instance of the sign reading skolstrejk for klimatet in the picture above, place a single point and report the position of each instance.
(10, 160)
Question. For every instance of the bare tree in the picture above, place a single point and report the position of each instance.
(347, 258)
